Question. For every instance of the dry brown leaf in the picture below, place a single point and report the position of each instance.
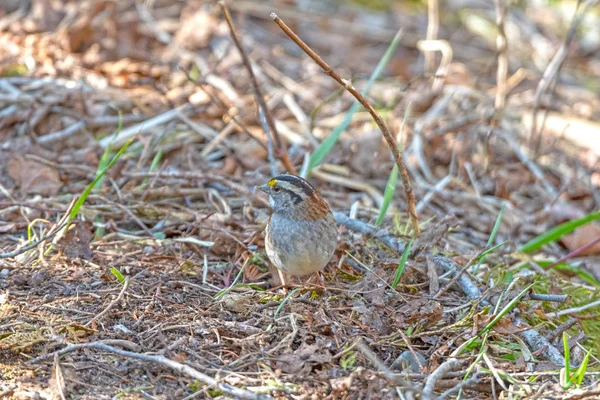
(433, 233)
(76, 241)
(426, 311)
(34, 178)
(196, 30)
(371, 287)
(503, 326)
(302, 360)
(369, 317)
(582, 236)
(8, 228)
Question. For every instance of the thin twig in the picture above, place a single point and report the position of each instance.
(382, 235)
(62, 134)
(144, 127)
(433, 24)
(556, 298)
(460, 273)
(202, 176)
(280, 150)
(574, 309)
(164, 361)
(376, 361)
(438, 374)
(215, 99)
(443, 46)
(573, 253)
(560, 329)
(60, 382)
(270, 150)
(471, 381)
(465, 283)
(553, 69)
(538, 342)
(112, 303)
(22, 250)
(582, 394)
(391, 142)
(502, 48)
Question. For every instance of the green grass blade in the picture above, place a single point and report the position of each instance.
(390, 187)
(580, 374)
(491, 238)
(105, 159)
(564, 267)
(223, 292)
(567, 352)
(504, 311)
(155, 161)
(557, 232)
(117, 274)
(496, 226)
(326, 145)
(491, 249)
(99, 176)
(289, 296)
(402, 263)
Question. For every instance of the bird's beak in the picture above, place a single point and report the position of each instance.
(265, 188)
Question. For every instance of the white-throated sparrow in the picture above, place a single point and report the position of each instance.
(301, 235)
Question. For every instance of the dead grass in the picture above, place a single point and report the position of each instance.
(178, 216)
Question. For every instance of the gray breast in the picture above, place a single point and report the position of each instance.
(300, 247)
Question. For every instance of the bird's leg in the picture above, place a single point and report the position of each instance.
(282, 279)
(321, 277)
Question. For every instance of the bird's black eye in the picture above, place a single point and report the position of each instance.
(276, 189)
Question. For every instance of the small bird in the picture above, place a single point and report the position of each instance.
(301, 235)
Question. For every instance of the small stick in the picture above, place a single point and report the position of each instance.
(560, 329)
(270, 150)
(573, 253)
(382, 235)
(537, 342)
(557, 298)
(391, 142)
(376, 361)
(438, 374)
(433, 23)
(112, 303)
(60, 381)
(411, 349)
(280, 150)
(502, 47)
(465, 283)
(459, 274)
(34, 244)
(574, 309)
(476, 378)
(62, 134)
(164, 361)
(63, 222)
(553, 68)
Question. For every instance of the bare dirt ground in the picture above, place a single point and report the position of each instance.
(160, 287)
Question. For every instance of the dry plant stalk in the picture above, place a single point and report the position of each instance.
(280, 150)
(433, 22)
(502, 47)
(552, 71)
(391, 142)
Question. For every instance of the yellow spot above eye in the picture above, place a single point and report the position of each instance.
(272, 182)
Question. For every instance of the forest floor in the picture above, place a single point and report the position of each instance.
(158, 287)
